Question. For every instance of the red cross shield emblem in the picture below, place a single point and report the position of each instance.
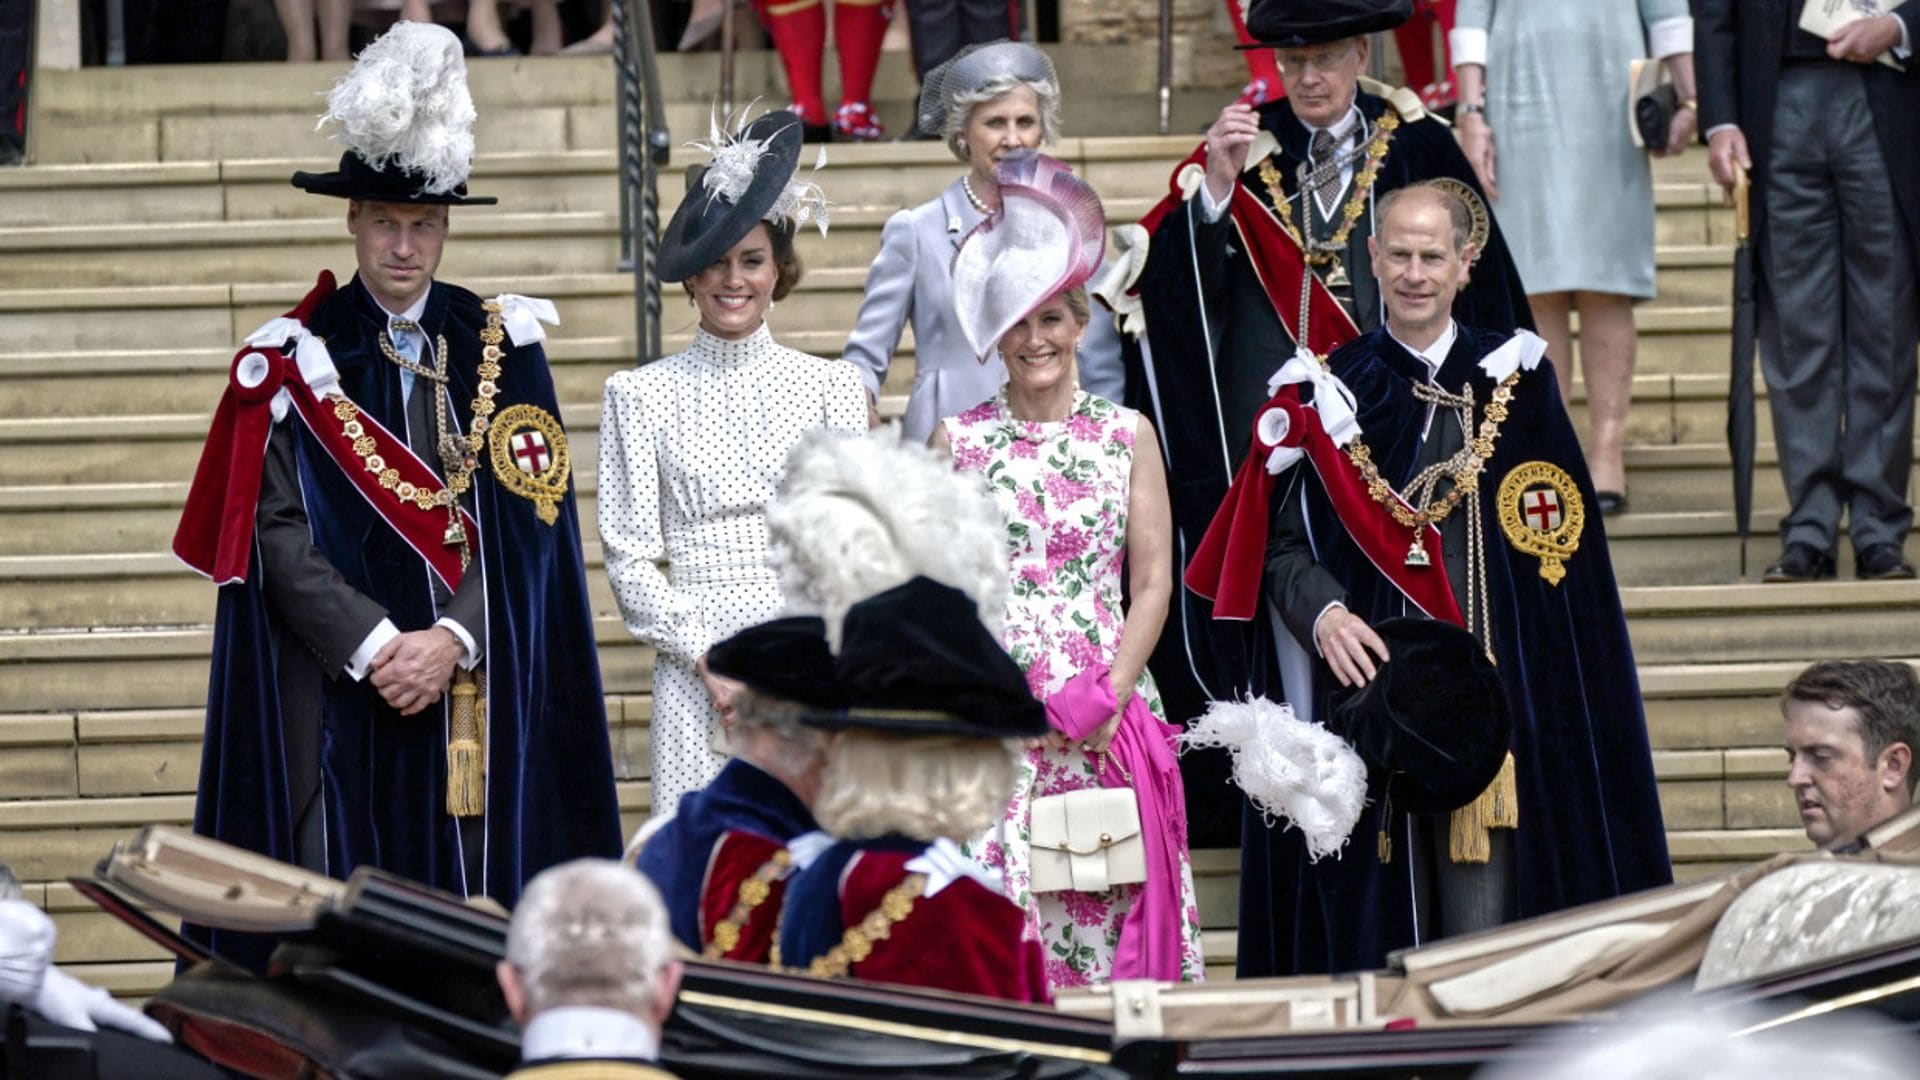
(530, 452)
(1541, 509)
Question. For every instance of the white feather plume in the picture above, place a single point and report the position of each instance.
(1295, 771)
(735, 160)
(406, 102)
(859, 514)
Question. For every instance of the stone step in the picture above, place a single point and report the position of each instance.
(200, 112)
(1722, 624)
(1700, 548)
(166, 667)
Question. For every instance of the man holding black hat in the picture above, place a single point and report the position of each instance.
(1446, 597)
(1261, 249)
(404, 661)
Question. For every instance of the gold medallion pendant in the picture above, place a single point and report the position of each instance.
(1542, 515)
(530, 457)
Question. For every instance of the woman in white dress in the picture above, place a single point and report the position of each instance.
(693, 445)
(986, 102)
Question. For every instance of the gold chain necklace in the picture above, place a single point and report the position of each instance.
(857, 943)
(1356, 205)
(459, 474)
(1463, 469)
(753, 892)
(438, 372)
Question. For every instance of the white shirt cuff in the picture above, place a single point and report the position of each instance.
(1467, 45)
(1341, 604)
(1717, 129)
(469, 659)
(1670, 37)
(376, 640)
(1210, 209)
(1904, 50)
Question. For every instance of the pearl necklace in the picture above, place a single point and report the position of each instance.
(966, 184)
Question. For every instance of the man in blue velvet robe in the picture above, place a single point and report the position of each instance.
(386, 501)
(1524, 559)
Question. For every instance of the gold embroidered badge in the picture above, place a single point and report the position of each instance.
(530, 457)
(1542, 515)
(1482, 226)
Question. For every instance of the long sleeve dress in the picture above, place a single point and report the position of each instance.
(1576, 196)
(1063, 489)
(691, 449)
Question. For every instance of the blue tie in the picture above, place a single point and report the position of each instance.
(402, 332)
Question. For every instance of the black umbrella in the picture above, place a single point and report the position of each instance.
(1740, 388)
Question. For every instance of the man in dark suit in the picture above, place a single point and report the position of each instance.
(1831, 135)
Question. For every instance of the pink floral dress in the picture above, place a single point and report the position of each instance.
(1062, 488)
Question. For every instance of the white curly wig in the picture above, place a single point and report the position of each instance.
(859, 514)
(406, 101)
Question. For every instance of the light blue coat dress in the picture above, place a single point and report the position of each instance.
(1576, 196)
(911, 281)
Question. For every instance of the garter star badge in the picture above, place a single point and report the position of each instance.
(530, 457)
(1542, 515)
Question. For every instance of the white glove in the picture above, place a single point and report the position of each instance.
(66, 1000)
(28, 977)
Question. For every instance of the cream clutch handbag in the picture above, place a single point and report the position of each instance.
(1087, 841)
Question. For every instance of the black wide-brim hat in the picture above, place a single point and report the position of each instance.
(1294, 24)
(785, 658)
(355, 179)
(1435, 717)
(706, 224)
(916, 660)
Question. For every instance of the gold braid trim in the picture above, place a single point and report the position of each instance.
(1498, 807)
(1356, 205)
(753, 892)
(1466, 478)
(857, 943)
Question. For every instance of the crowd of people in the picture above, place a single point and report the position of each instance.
(909, 720)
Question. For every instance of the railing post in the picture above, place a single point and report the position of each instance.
(1166, 66)
(643, 151)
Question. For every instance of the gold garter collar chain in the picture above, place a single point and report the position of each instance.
(753, 892)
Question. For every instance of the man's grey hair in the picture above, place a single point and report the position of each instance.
(590, 932)
(794, 746)
(962, 105)
(1885, 694)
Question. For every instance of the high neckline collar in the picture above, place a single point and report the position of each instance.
(723, 353)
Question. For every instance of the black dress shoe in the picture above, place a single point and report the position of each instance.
(1800, 562)
(1610, 502)
(1881, 562)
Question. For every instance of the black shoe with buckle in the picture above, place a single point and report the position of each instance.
(1800, 562)
(1881, 562)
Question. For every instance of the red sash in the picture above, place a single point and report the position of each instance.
(215, 535)
(1227, 566)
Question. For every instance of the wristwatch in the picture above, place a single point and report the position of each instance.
(1471, 109)
(1690, 103)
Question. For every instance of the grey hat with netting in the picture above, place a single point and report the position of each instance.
(976, 66)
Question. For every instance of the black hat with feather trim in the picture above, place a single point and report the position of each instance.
(1294, 24)
(752, 177)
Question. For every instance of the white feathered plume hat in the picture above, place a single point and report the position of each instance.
(406, 118)
(1293, 770)
(860, 514)
(1048, 236)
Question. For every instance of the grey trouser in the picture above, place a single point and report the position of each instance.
(1837, 341)
(1450, 898)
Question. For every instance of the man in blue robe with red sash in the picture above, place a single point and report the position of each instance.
(404, 672)
(1430, 470)
(1259, 248)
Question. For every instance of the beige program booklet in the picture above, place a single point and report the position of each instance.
(1826, 18)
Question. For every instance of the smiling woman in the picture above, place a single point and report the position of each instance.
(693, 445)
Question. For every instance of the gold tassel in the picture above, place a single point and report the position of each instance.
(1498, 807)
(466, 748)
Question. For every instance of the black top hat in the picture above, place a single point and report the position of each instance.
(355, 179)
(916, 660)
(1293, 24)
(708, 221)
(1435, 717)
(784, 658)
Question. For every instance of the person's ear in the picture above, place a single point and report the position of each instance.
(1896, 763)
(665, 990)
(513, 990)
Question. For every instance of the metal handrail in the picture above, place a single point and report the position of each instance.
(644, 148)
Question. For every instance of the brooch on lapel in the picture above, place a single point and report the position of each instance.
(530, 457)
(1542, 515)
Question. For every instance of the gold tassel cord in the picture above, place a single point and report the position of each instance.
(466, 748)
(1498, 807)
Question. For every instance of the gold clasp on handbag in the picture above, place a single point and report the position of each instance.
(1106, 841)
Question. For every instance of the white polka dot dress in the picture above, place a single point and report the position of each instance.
(691, 449)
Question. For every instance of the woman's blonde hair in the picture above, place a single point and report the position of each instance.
(920, 786)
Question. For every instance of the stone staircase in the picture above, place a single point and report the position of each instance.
(164, 230)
